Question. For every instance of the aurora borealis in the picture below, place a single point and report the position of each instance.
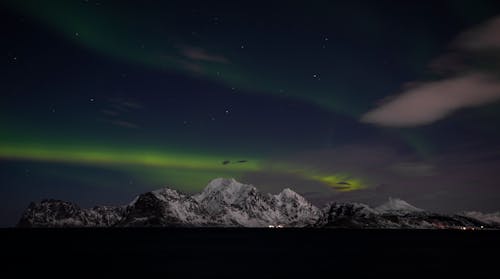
(336, 99)
(167, 162)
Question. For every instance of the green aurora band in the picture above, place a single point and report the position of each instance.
(110, 33)
(176, 167)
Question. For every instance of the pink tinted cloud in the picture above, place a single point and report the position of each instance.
(199, 54)
(432, 101)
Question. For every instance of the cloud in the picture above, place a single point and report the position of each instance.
(432, 101)
(119, 104)
(482, 37)
(123, 123)
(192, 59)
(469, 86)
(199, 54)
(191, 67)
(118, 108)
(110, 112)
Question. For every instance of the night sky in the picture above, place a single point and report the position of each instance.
(338, 100)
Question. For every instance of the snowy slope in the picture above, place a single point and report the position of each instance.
(489, 218)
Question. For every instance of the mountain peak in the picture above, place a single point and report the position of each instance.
(221, 183)
(228, 189)
(394, 204)
(167, 194)
(289, 194)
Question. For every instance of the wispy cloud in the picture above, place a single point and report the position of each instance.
(117, 109)
(482, 37)
(122, 123)
(199, 54)
(109, 112)
(470, 85)
(193, 59)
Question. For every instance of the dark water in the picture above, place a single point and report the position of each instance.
(266, 253)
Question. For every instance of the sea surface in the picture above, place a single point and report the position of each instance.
(257, 253)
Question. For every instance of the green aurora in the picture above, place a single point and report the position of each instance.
(111, 33)
(160, 46)
(143, 42)
(170, 166)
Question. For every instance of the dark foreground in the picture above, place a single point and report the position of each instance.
(249, 252)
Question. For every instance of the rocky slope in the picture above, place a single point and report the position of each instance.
(228, 203)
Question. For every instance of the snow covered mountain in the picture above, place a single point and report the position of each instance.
(396, 214)
(229, 203)
(223, 203)
(397, 206)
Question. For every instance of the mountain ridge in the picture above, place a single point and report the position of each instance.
(225, 202)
